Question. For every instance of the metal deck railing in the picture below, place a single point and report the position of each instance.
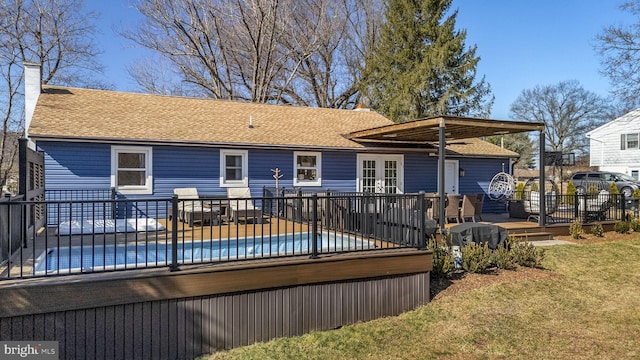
(102, 235)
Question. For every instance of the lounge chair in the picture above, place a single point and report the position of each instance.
(241, 205)
(596, 209)
(191, 209)
(532, 205)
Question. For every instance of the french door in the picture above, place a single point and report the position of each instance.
(380, 174)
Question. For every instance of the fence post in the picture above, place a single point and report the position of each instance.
(623, 207)
(314, 226)
(113, 202)
(299, 205)
(174, 234)
(25, 223)
(422, 203)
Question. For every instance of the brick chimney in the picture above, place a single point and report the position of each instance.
(32, 90)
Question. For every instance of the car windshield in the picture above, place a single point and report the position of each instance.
(624, 177)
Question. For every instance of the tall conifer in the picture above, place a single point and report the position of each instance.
(420, 67)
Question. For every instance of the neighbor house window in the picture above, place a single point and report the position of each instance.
(629, 141)
(131, 169)
(234, 168)
(307, 169)
(634, 174)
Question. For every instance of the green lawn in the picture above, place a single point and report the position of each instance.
(590, 310)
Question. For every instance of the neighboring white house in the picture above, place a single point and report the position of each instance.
(615, 146)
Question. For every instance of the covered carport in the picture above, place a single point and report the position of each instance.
(436, 131)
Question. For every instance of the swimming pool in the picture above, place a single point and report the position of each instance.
(124, 256)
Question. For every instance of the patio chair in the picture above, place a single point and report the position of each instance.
(241, 206)
(432, 205)
(452, 210)
(191, 209)
(468, 209)
(478, 204)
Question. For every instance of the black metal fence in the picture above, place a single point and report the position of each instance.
(100, 235)
(75, 210)
(10, 227)
(584, 208)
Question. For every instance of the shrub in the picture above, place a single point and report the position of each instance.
(635, 224)
(534, 186)
(575, 229)
(592, 191)
(502, 257)
(519, 191)
(526, 254)
(443, 265)
(571, 192)
(476, 258)
(636, 193)
(621, 227)
(597, 229)
(613, 189)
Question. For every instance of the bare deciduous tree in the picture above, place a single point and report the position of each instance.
(303, 52)
(54, 33)
(567, 110)
(224, 48)
(619, 48)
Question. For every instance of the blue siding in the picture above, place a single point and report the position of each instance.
(420, 173)
(478, 175)
(75, 165)
(183, 166)
(339, 171)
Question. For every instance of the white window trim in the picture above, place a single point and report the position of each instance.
(625, 142)
(318, 167)
(147, 189)
(245, 168)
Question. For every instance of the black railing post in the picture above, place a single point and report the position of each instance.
(113, 202)
(25, 223)
(299, 206)
(623, 207)
(314, 226)
(174, 234)
(422, 207)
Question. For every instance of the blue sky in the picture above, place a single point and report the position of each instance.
(521, 43)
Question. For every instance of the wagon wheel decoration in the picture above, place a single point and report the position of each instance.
(502, 186)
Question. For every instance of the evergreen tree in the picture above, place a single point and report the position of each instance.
(420, 68)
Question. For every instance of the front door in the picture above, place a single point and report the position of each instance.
(451, 178)
(380, 174)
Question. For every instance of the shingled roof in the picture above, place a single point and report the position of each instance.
(65, 113)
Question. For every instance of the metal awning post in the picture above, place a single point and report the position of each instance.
(543, 205)
(441, 158)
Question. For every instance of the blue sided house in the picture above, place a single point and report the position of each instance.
(146, 145)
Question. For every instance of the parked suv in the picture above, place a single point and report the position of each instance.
(602, 180)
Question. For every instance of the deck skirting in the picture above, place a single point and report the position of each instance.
(162, 314)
